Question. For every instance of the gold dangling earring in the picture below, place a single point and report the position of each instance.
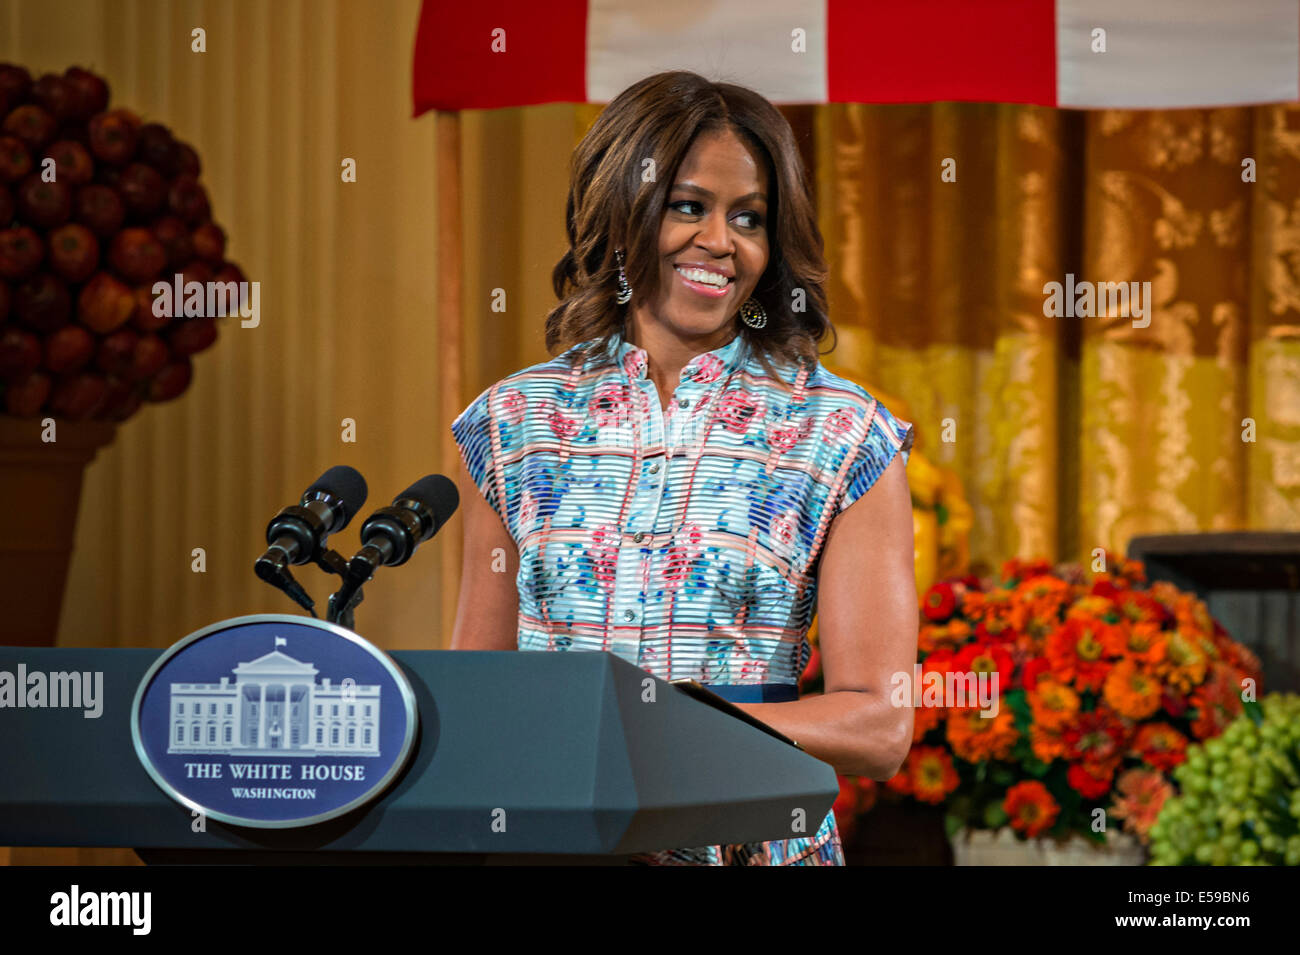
(753, 314)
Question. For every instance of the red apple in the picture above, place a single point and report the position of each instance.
(32, 124)
(137, 255)
(43, 303)
(90, 92)
(78, 396)
(44, 204)
(26, 396)
(210, 243)
(113, 135)
(68, 349)
(20, 352)
(72, 162)
(56, 95)
(74, 252)
(116, 353)
(15, 84)
(157, 148)
(100, 208)
(21, 251)
(187, 160)
(175, 238)
(172, 380)
(15, 160)
(189, 336)
(143, 318)
(143, 190)
(123, 399)
(148, 357)
(104, 303)
(188, 199)
(229, 272)
(195, 270)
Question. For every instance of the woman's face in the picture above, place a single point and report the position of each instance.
(716, 219)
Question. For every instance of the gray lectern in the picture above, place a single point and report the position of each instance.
(585, 767)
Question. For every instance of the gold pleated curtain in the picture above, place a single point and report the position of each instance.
(1076, 433)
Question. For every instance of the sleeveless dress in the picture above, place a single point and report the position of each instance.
(686, 540)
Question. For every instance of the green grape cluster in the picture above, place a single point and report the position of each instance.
(1239, 799)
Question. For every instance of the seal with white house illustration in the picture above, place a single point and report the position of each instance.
(273, 721)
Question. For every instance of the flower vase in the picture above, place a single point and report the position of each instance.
(40, 484)
(1004, 847)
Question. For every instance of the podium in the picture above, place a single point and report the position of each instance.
(576, 758)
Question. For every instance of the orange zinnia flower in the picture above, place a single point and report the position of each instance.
(1097, 737)
(981, 605)
(1139, 796)
(1031, 808)
(975, 738)
(937, 636)
(932, 774)
(1145, 642)
(1184, 663)
(1077, 652)
(1046, 744)
(1053, 704)
(1140, 607)
(1131, 691)
(1045, 595)
(1090, 607)
(1160, 745)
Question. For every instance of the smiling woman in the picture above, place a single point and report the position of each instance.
(686, 484)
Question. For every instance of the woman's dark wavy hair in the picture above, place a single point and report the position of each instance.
(609, 207)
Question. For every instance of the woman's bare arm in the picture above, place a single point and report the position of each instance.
(487, 616)
(867, 630)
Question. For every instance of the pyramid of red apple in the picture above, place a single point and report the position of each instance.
(81, 249)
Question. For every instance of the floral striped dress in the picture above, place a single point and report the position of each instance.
(687, 539)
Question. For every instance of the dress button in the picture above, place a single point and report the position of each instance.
(639, 536)
(683, 402)
(628, 615)
(654, 468)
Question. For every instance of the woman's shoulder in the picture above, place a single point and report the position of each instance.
(830, 393)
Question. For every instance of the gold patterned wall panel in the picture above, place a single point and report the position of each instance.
(936, 291)
(1162, 405)
(1273, 462)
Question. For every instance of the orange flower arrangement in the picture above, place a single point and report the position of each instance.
(1098, 685)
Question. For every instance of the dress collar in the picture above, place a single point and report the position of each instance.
(704, 368)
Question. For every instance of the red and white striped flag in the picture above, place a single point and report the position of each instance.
(1143, 54)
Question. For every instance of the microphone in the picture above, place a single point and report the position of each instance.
(298, 533)
(390, 535)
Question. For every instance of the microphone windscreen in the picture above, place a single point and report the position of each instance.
(436, 492)
(344, 483)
